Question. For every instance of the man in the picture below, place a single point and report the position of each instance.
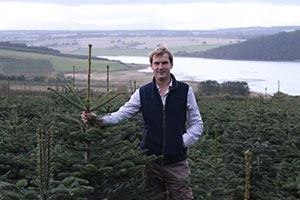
(167, 105)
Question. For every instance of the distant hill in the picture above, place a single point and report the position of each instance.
(41, 50)
(25, 48)
(284, 46)
(20, 59)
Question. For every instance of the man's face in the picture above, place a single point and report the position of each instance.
(161, 67)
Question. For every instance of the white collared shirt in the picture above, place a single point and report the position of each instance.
(193, 116)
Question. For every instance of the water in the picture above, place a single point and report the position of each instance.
(260, 75)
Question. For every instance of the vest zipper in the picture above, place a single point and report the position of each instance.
(164, 133)
(164, 125)
(145, 135)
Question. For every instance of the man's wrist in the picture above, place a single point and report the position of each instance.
(99, 120)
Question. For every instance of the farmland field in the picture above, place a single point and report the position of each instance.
(62, 64)
(141, 52)
(132, 45)
(27, 66)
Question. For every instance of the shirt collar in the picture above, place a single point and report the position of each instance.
(170, 85)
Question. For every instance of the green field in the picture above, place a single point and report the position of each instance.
(60, 64)
(142, 52)
(27, 66)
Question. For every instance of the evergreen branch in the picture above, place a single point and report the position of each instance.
(66, 99)
(68, 119)
(4, 176)
(22, 125)
(11, 194)
(102, 98)
(71, 180)
(8, 127)
(102, 170)
(75, 94)
(294, 149)
(209, 164)
(95, 107)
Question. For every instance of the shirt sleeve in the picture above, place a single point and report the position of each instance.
(194, 120)
(128, 110)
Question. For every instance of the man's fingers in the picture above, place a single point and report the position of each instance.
(91, 114)
(88, 117)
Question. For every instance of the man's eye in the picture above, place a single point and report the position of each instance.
(165, 62)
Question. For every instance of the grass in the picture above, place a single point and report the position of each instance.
(61, 64)
(142, 52)
(22, 66)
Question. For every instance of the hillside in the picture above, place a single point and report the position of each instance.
(19, 59)
(284, 46)
(41, 50)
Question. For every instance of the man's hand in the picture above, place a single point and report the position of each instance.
(90, 118)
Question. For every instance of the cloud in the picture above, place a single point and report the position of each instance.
(183, 16)
(135, 2)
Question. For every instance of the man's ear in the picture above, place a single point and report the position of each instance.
(151, 65)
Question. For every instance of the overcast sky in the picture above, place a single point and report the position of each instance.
(146, 14)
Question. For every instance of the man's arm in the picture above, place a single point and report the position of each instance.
(128, 110)
(194, 120)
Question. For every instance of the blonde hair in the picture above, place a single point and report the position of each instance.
(159, 51)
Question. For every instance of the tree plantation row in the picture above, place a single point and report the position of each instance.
(250, 148)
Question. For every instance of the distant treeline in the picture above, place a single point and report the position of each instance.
(284, 46)
(212, 87)
(24, 47)
(40, 49)
(59, 78)
(13, 77)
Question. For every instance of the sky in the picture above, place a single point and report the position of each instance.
(146, 14)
